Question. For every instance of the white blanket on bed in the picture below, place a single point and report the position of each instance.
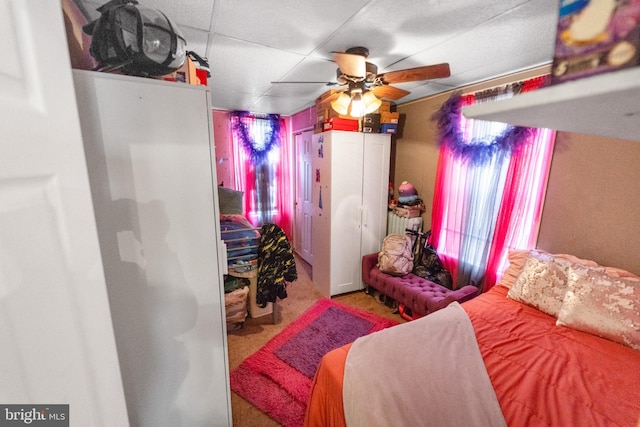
(428, 372)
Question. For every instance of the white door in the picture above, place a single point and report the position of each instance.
(375, 193)
(55, 326)
(304, 201)
(346, 151)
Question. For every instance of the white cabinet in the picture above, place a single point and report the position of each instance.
(350, 196)
(148, 145)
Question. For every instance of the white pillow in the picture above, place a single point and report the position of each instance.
(602, 305)
(542, 282)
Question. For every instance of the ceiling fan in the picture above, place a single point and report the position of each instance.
(363, 83)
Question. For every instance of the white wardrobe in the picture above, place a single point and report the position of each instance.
(350, 191)
(149, 150)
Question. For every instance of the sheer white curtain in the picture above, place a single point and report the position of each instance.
(489, 190)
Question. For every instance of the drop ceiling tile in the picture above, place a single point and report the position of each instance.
(311, 91)
(308, 70)
(313, 69)
(247, 66)
(406, 28)
(285, 24)
(482, 55)
(225, 98)
(196, 40)
(277, 105)
(193, 13)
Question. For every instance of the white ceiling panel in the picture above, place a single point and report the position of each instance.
(397, 29)
(484, 58)
(195, 14)
(308, 70)
(224, 98)
(291, 25)
(197, 40)
(251, 43)
(247, 66)
(304, 90)
(287, 106)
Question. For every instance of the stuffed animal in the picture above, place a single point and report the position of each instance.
(407, 194)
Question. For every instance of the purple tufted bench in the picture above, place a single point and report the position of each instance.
(420, 295)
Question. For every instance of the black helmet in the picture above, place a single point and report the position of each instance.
(136, 40)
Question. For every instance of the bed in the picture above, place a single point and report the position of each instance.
(558, 340)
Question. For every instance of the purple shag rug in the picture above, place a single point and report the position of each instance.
(277, 378)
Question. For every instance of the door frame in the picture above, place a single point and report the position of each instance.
(297, 227)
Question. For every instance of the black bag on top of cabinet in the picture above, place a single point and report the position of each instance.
(136, 40)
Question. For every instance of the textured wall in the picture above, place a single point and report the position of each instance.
(592, 204)
(223, 151)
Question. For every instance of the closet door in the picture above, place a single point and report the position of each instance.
(346, 210)
(375, 184)
(148, 145)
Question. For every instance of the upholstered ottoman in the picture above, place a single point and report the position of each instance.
(420, 295)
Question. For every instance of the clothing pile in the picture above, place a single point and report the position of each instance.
(276, 265)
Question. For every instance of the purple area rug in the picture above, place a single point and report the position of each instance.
(277, 378)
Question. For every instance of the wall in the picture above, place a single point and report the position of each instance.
(592, 202)
(303, 120)
(592, 198)
(223, 150)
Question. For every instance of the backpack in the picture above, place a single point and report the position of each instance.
(396, 255)
(428, 265)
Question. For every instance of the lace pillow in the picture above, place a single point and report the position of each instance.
(602, 305)
(518, 257)
(541, 283)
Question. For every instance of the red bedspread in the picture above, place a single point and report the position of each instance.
(543, 374)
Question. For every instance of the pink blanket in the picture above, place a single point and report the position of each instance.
(444, 380)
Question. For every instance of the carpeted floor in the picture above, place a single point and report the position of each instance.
(301, 295)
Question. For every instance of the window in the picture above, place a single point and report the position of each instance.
(489, 189)
(261, 167)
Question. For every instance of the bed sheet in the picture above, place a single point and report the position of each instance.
(543, 374)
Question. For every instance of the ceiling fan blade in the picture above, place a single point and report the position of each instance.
(350, 64)
(306, 82)
(427, 72)
(389, 92)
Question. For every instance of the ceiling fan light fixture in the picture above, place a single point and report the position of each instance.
(371, 102)
(357, 105)
(341, 104)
